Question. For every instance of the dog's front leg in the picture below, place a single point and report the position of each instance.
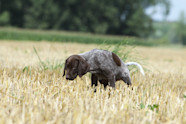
(94, 80)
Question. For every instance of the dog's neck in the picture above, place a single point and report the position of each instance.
(84, 56)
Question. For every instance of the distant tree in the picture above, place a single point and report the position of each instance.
(4, 18)
(181, 29)
(14, 11)
(126, 17)
(41, 14)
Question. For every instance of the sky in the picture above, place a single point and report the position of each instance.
(177, 6)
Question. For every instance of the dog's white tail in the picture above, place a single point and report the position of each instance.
(138, 65)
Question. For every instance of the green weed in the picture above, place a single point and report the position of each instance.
(154, 107)
(124, 51)
(48, 64)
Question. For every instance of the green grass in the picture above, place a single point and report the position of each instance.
(63, 36)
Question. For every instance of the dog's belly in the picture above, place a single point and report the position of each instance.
(100, 76)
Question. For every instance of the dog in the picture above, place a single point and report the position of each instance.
(104, 66)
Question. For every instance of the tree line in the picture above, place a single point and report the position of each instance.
(126, 17)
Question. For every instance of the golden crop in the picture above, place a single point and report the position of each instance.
(44, 96)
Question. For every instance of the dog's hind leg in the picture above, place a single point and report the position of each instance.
(104, 82)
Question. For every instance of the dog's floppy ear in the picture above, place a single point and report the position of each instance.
(116, 59)
(65, 67)
(83, 67)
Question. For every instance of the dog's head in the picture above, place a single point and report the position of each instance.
(75, 65)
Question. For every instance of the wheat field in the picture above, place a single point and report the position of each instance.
(30, 94)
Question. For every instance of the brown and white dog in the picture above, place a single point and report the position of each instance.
(104, 66)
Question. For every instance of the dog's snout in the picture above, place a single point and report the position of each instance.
(68, 77)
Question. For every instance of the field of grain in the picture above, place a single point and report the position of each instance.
(30, 94)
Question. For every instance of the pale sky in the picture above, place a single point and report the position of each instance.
(177, 6)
